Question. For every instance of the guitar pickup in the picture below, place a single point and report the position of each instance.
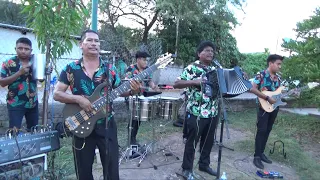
(71, 124)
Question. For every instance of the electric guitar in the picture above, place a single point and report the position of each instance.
(82, 123)
(277, 95)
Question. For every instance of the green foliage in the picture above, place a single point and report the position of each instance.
(309, 98)
(254, 62)
(213, 22)
(55, 21)
(304, 62)
(11, 13)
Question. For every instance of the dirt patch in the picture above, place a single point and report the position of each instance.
(237, 165)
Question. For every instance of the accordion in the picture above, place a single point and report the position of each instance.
(230, 82)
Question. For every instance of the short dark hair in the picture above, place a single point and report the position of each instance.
(142, 54)
(273, 57)
(24, 41)
(83, 34)
(204, 44)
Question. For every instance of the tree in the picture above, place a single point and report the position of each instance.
(11, 13)
(305, 50)
(53, 22)
(213, 22)
(143, 12)
(254, 62)
(304, 62)
(179, 10)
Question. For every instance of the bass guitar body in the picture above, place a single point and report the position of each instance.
(78, 121)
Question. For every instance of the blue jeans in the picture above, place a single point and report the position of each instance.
(16, 115)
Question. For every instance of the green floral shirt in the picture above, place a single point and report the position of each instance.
(198, 103)
(74, 75)
(23, 91)
(132, 71)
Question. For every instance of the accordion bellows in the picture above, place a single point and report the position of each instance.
(229, 81)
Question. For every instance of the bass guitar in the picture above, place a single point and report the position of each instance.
(82, 123)
(277, 95)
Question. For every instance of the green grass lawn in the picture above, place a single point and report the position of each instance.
(294, 130)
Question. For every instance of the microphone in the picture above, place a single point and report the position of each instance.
(215, 61)
(103, 52)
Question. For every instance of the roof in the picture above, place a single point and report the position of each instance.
(25, 30)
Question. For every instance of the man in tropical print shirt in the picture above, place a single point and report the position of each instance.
(201, 118)
(83, 76)
(22, 99)
(133, 70)
(266, 80)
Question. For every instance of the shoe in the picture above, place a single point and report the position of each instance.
(208, 170)
(265, 159)
(184, 140)
(257, 162)
(177, 124)
(187, 175)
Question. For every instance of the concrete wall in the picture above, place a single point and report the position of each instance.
(10, 36)
(122, 111)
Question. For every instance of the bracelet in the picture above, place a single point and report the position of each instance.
(130, 92)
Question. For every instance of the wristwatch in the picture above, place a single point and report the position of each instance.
(267, 98)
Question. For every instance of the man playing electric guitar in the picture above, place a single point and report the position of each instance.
(266, 80)
(83, 77)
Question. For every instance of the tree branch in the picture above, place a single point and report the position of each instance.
(153, 20)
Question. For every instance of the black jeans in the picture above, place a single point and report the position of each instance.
(109, 153)
(204, 129)
(265, 122)
(16, 115)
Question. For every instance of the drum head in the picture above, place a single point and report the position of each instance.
(142, 98)
(170, 98)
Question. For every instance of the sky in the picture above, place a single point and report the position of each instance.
(266, 21)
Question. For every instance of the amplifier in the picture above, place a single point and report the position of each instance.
(26, 145)
(31, 168)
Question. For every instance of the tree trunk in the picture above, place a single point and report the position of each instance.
(177, 34)
(46, 88)
(177, 28)
(145, 36)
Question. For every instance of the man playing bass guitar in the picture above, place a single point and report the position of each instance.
(83, 77)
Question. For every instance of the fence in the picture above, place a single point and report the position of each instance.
(118, 51)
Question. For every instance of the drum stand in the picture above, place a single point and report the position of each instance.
(130, 150)
(165, 148)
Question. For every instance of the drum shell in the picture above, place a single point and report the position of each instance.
(144, 109)
(168, 108)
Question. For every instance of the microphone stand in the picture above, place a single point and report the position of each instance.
(224, 116)
(106, 67)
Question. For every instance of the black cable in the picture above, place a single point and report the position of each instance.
(20, 158)
(151, 167)
(246, 160)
